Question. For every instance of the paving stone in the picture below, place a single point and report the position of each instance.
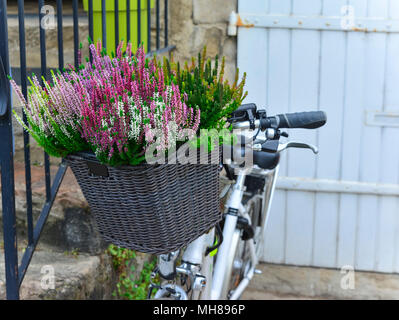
(320, 283)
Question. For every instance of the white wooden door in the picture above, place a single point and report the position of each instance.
(339, 207)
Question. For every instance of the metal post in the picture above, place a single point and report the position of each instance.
(60, 36)
(91, 27)
(90, 13)
(157, 24)
(104, 23)
(128, 20)
(43, 68)
(166, 23)
(148, 25)
(116, 16)
(76, 33)
(138, 23)
(7, 167)
(61, 67)
(28, 180)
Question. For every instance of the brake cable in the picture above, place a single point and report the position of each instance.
(219, 241)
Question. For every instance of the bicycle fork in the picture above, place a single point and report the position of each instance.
(231, 237)
(194, 266)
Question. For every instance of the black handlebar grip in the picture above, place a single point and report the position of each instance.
(305, 120)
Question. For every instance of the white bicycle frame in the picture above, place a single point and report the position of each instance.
(217, 275)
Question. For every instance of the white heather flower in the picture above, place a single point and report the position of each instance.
(168, 93)
(64, 130)
(135, 121)
(105, 125)
(121, 110)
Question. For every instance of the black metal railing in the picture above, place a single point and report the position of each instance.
(15, 272)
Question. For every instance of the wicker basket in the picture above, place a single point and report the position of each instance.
(149, 208)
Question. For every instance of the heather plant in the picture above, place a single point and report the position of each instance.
(204, 86)
(111, 105)
(125, 100)
(53, 115)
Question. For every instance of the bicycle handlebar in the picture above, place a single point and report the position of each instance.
(305, 120)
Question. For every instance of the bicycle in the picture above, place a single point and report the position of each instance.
(236, 243)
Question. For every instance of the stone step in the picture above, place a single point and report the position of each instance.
(31, 7)
(32, 40)
(64, 276)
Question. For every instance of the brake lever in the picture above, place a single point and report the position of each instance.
(294, 144)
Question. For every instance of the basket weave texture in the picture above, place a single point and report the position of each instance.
(150, 208)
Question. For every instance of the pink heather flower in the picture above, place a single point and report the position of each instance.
(114, 103)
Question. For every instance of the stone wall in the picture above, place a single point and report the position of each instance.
(198, 23)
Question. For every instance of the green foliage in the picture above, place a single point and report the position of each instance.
(204, 85)
(134, 155)
(128, 287)
(74, 253)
